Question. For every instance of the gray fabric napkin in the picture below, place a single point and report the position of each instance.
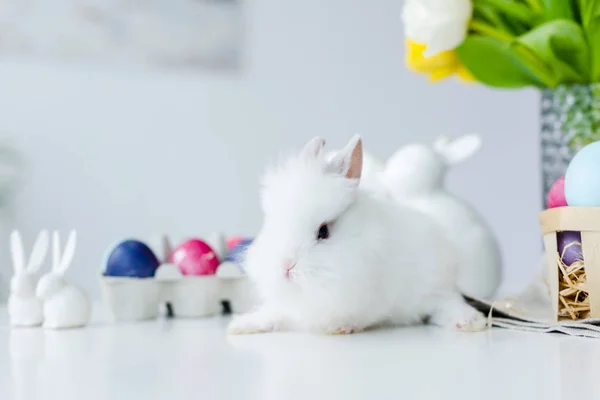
(533, 315)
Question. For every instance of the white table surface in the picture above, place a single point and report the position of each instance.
(195, 359)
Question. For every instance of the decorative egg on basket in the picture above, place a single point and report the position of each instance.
(582, 180)
(556, 195)
(131, 258)
(569, 247)
(195, 257)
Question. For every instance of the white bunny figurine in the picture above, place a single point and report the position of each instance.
(414, 176)
(65, 305)
(24, 308)
(334, 257)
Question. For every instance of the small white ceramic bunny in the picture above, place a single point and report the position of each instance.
(65, 305)
(333, 257)
(414, 176)
(24, 307)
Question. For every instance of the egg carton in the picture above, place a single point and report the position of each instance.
(134, 299)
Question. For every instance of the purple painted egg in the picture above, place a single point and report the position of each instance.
(573, 253)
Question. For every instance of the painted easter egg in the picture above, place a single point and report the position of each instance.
(237, 253)
(195, 257)
(131, 258)
(569, 246)
(556, 195)
(233, 241)
(582, 180)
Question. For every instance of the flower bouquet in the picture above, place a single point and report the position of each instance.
(553, 45)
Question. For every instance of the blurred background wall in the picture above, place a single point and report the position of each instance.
(117, 152)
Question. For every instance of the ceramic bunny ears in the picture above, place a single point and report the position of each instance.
(38, 254)
(457, 150)
(59, 263)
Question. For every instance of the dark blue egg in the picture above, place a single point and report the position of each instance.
(238, 252)
(131, 258)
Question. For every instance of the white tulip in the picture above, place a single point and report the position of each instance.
(438, 24)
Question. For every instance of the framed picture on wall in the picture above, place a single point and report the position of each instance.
(171, 33)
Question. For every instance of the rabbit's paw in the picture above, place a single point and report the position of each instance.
(470, 322)
(458, 315)
(257, 322)
(344, 330)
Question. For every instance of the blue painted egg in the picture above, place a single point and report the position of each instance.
(582, 180)
(131, 258)
(237, 252)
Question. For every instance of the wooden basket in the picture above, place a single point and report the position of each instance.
(585, 220)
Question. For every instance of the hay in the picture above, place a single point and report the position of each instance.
(573, 295)
(508, 304)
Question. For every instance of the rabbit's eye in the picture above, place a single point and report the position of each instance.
(323, 232)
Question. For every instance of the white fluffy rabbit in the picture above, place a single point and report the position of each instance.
(415, 175)
(332, 257)
(24, 308)
(65, 305)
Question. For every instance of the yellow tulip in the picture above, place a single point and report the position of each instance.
(439, 66)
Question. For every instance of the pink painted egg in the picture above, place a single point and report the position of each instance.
(234, 241)
(556, 195)
(195, 257)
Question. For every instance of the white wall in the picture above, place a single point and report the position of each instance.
(185, 149)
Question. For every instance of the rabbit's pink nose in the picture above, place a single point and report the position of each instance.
(288, 265)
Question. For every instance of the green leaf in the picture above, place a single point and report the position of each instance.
(590, 19)
(516, 27)
(535, 5)
(593, 36)
(535, 64)
(589, 10)
(575, 10)
(514, 10)
(495, 63)
(557, 9)
(560, 44)
(490, 16)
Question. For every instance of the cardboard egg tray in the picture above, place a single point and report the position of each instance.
(134, 299)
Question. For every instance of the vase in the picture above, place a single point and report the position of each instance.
(570, 119)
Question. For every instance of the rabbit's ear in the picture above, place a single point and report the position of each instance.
(69, 252)
(16, 249)
(458, 150)
(349, 160)
(313, 148)
(441, 143)
(55, 251)
(38, 254)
